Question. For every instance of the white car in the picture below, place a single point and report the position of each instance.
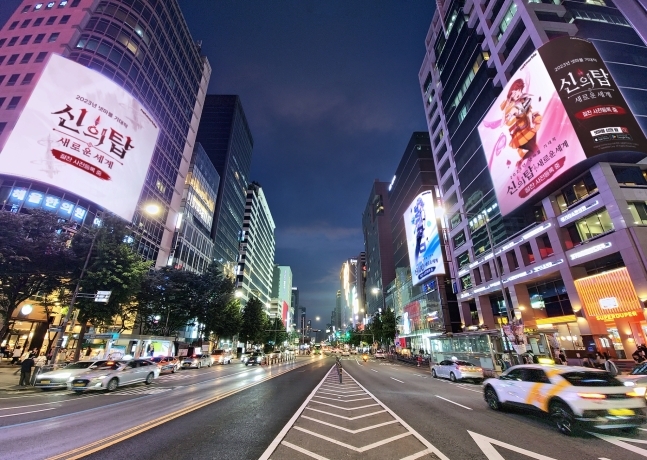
(456, 370)
(353, 351)
(571, 396)
(345, 353)
(110, 375)
(221, 357)
(379, 354)
(60, 377)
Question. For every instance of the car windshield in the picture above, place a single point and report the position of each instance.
(464, 363)
(256, 354)
(158, 359)
(218, 352)
(81, 364)
(109, 365)
(591, 379)
(639, 370)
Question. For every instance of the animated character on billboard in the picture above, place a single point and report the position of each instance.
(419, 219)
(522, 122)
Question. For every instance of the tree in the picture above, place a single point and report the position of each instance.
(389, 322)
(253, 325)
(34, 258)
(275, 332)
(218, 309)
(115, 267)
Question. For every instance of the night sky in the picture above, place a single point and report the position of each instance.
(330, 90)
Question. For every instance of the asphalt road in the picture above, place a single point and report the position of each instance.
(296, 410)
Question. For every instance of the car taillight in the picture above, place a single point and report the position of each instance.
(592, 395)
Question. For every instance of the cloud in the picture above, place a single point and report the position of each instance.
(307, 238)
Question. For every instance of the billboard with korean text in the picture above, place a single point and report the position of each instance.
(560, 108)
(423, 240)
(85, 134)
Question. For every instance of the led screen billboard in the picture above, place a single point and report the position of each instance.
(560, 108)
(83, 133)
(423, 240)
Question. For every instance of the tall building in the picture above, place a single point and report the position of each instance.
(378, 244)
(281, 303)
(193, 246)
(295, 305)
(533, 252)
(227, 139)
(352, 279)
(337, 312)
(256, 260)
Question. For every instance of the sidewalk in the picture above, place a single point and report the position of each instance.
(9, 381)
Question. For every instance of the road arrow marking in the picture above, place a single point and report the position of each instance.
(487, 446)
(624, 443)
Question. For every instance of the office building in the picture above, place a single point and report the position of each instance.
(227, 139)
(281, 303)
(532, 255)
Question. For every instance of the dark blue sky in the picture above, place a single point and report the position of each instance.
(331, 93)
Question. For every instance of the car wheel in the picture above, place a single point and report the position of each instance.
(492, 399)
(173, 370)
(209, 365)
(149, 379)
(563, 417)
(113, 385)
(199, 365)
(452, 377)
(433, 373)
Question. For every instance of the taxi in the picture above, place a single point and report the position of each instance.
(572, 396)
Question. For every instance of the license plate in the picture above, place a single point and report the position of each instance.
(78, 384)
(621, 412)
(44, 381)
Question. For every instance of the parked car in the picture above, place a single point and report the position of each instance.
(196, 361)
(110, 375)
(456, 370)
(167, 363)
(345, 353)
(60, 377)
(256, 358)
(221, 357)
(353, 351)
(572, 396)
(379, 354)
(637, 379)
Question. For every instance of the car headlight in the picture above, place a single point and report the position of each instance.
(100, 377)
(640, 391)
(629, 383)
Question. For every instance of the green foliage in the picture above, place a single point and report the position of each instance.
(252, 329)
(275, 333)
(218, 309)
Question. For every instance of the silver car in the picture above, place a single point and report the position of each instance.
(110, 375)
(59, 377)
(196, 361)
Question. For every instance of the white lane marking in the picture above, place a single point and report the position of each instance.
(486, 445)
(418, 436)
(274, 444)
(397, 380)
(373, 370)
(449, 400)
(343, 408)
(303, 451)
(344, 417)
(341, 400)
(337, 393)
(347, 429)
(34, 405)
(30, 412)
(348, 446)
(624, 443)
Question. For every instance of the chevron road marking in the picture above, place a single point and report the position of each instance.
(343, 416)
(347, 429)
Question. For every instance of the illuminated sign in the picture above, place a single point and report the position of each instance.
(609, 295)
(534, 270)
(577, 211)
(589, 251)
(536, 231)
(83, 133)
(560, 108)
(423, 239)
(391, 184)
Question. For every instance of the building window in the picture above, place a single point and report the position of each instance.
(13, 79)
(507, 19)
(28, 78)
(629, 175)
(25, 9)
(459, 239)
(594, 225)
(2, 42)
(1, 79)
(50, 5)
(545, 248)
(576, 191)
(550, 296)
(638, 210)
(2, 59)
(25, 23)
(64, 19)
(466, 282)
(527, 254)
(25, 39)
(2, 99)
(62, 4)
(50, 20)
(513, 263)
(13, 25)
(13, 103)
(38, 6)
(52, 38)
(12, 60)
(75, 3)
(462, 260)
(468, 80)
(41, 56)
(39, 38)
(38, 22)
(448, 183)
(25, 59)
(455, 220)
(13, 41)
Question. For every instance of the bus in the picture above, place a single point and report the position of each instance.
(317, 348)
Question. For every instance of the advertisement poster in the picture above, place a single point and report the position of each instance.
(560, 108)
(83, 133)
(423, 240)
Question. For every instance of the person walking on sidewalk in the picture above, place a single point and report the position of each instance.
(339, 368)
(15, 356)
(25, 370)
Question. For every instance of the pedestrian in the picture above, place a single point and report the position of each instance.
(39, 363)
(339, 368)
(15, 356)
(637, 355)
(610, 366)
(25, 370)
(562, 357)
(599, 360)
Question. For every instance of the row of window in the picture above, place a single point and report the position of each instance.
(13, 102)
(25, 40)
(13, 79)
(40, 57)
(50, 22)
(50, 5)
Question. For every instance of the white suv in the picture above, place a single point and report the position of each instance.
(572, 396)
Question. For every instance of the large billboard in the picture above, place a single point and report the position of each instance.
(83, 133)
(560, 108)
(423, 240)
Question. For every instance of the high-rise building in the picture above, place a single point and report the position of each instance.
(337, 312)
(378, 244)
(281, 303)
(193, 246)
(352, 279)
(532, 252)
(427, 309)
(146, 49)
(256, 260)
(295, 305)
(227, 139)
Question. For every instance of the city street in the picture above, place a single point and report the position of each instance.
(291, 411)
